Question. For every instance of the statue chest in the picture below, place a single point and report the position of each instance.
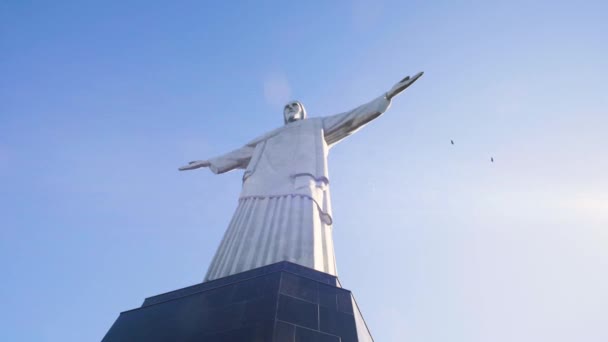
(299, 149)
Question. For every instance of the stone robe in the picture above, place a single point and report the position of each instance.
(284, 210)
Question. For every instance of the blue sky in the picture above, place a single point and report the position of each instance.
(101, 102)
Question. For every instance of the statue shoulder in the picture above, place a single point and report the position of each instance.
(265, 136)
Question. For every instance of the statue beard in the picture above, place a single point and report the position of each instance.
(294, 118)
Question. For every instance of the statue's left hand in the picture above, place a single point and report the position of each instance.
(402, 85)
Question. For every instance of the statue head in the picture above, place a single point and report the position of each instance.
(294, 111)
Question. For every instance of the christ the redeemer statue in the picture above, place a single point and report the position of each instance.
(284, 210)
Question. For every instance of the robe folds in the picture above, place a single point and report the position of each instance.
(284, 210)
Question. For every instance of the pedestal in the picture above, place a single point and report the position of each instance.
(282, 302)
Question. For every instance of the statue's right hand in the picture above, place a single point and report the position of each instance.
(195, 165)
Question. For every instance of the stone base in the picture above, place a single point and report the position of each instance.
(282, 302)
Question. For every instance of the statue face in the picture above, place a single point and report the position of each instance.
(293, 111)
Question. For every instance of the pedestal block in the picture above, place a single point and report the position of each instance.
(282, 302)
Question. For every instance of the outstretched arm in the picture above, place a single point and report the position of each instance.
(237, 159)
(195, 165)
(402, 85)
(339, 126)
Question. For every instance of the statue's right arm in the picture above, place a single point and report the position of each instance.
(237, 159)
(195, 165)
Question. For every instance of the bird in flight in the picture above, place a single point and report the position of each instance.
(452, 141)
(492, 159)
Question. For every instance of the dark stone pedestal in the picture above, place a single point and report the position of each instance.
(282, 302)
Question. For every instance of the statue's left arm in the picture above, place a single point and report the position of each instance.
(339, 126)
